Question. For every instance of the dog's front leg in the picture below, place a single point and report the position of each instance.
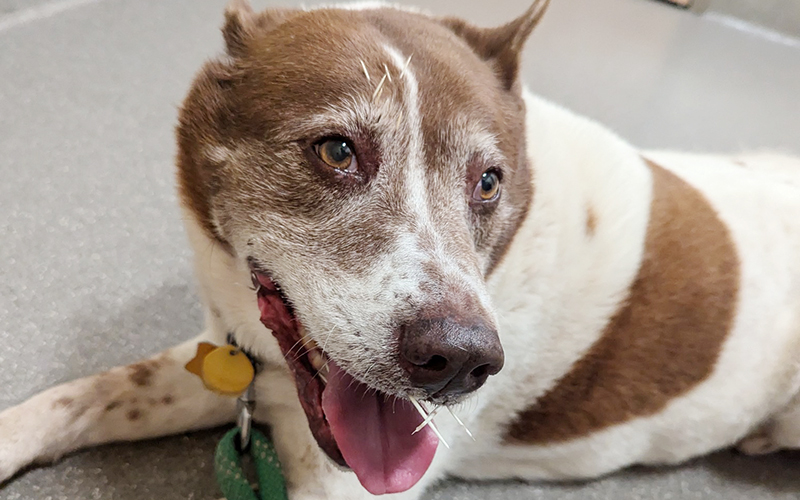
(151, 398)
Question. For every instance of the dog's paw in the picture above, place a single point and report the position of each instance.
(757, 445)
(13, 456)
(760, 442)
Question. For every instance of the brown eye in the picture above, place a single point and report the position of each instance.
(337, 153)
(488, 187)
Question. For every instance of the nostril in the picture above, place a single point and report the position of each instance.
(480, 372)
(436, 363)
(445, 357)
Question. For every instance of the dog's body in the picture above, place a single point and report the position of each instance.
(648, 303)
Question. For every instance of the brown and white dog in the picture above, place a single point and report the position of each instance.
(426, 228)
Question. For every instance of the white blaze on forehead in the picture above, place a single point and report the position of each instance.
(416, 182)
(415, 170)
(370, 5)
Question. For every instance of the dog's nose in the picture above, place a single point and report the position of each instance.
(446, 358)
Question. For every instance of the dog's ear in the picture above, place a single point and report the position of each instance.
(242, 23)
(501, 47)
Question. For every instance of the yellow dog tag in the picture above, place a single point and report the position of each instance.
(224, 370)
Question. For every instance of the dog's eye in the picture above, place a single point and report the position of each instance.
(337, 153)
(488, 187)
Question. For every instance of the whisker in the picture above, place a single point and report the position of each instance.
(295, 345)
(460, 423)
(427, 420)
(419, 408)
(438, 434)
(299, 354)
(424, 414)
(304, 349)
(327, 336)
(379, 88)
(388, 73)
(405, 66)
(364, 67)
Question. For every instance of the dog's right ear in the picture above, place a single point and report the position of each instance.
(500, 47)
(242, 23)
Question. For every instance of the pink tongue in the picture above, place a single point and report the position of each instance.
(374, 434)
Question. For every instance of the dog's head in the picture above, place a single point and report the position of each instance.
(369, 166)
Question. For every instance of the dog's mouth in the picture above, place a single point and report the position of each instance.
(355, 425)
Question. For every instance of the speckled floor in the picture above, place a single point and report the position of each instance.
(95, 268)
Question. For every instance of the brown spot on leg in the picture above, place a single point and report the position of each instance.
(134, 415)
(664, 339)
(591, 221)
(62, 403)
(167, 400)
(112, 405)
(76, 409)
(141, 374)
(78, 413)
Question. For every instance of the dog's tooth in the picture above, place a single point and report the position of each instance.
(307, 341)
(256, 282)
(316, 359)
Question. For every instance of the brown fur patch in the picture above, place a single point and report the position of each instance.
(62, 402)
(134, 415)
(78, 413)
(141, 374)
(167, 400)
(76, 408)
(665, 338)
(113, 405)
(591, 221)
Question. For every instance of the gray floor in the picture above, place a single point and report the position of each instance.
(780, 15)
(95, 268)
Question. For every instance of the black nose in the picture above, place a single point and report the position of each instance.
(446, 358)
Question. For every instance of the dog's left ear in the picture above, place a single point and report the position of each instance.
(501, 47)
(242, 24)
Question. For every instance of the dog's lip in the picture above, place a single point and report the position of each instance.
(263, 280)
(305, 360)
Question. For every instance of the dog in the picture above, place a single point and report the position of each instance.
(382, 216)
